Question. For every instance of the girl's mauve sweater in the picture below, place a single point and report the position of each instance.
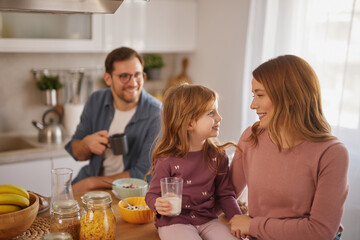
(201, 188)
(297, 193)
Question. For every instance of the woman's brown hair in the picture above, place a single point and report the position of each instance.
(294, 91)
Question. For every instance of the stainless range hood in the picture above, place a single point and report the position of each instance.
(60, 6)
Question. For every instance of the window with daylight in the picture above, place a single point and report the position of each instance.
(326, 33)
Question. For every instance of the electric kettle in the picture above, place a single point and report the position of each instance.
(50, 131)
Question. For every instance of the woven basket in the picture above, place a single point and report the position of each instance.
(39, 228)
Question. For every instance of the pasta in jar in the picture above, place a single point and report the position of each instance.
(97, 220)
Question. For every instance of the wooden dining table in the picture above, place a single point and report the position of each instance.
(124, 230)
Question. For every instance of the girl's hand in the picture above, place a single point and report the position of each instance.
(240, 225)
(163, 206)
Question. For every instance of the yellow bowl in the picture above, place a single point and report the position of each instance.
(135, 216)
(15, 223)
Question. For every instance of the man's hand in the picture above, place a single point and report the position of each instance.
(92, 144)
(240, 225)
(98, 182)
(96, 142)
(92, 183)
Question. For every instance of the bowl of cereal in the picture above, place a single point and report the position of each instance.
(141, 214)
(129, 187)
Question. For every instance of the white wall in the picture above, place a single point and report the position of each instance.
(219, 58)
(20, 99)
(217, 63)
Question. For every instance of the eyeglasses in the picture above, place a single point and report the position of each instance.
(126, 77)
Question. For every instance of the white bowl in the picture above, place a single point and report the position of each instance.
(122, 191)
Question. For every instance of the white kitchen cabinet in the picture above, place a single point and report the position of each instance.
(155, 26)
(36, 175)
(50, 32)
(69, 162)
(32, 175)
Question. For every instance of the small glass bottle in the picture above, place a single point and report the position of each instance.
(97, 217)
(65, 217)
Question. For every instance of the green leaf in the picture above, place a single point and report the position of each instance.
(153, 61)
(49, 82)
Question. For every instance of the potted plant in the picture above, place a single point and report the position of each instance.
(50, 86)
(152, 65)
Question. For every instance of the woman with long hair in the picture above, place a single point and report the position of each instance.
(295, 170)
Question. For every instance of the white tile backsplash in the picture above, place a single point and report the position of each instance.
(21, 100)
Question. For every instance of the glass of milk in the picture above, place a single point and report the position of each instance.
(171, 190)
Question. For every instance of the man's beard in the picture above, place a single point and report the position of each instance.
(122, 96)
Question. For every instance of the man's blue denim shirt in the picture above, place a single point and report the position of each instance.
(141, 132)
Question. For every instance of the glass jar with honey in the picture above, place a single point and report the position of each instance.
(58, 236)
(65, 217)
(97, 217)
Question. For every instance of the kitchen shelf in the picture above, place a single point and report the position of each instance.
(75, 42)
(162, 26)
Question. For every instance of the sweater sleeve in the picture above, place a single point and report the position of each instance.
(154, 192)
(225, 194)
(237, 174)
(327, 208)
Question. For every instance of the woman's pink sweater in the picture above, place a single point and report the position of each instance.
(298, 193)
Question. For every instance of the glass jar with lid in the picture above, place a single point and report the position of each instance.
(58, 236)
(97, 217)
(65, 217)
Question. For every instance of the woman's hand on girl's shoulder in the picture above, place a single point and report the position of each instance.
(163, 206)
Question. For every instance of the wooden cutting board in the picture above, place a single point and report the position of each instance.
(182, 78)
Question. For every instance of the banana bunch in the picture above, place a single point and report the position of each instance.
(13, 198)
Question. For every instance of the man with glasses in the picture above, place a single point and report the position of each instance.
(125, 107)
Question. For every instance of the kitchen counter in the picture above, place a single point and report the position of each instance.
(27, 163)
(35, 151)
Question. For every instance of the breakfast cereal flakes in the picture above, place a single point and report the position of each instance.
(98, 224)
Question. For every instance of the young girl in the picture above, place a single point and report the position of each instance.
(189, 119)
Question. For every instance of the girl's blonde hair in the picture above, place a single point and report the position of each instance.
(181, 105)
(294, 91)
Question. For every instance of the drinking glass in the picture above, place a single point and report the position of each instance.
(171, 190)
